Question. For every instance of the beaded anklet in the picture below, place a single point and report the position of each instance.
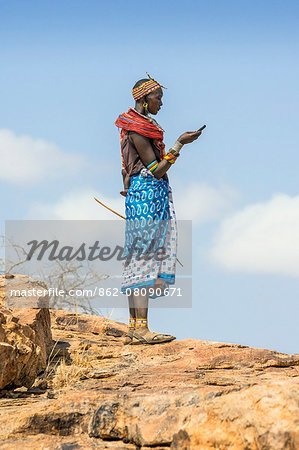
(132, 322)
(141, 323)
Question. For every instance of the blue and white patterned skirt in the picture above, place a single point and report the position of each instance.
(150, 225)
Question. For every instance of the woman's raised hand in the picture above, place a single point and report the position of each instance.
(189, 136)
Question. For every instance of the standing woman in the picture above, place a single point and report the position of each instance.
(150, 214)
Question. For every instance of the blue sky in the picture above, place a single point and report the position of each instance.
(67, 69)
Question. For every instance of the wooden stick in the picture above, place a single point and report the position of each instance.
(112, 210)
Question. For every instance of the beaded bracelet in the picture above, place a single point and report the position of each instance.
(171, 156)
(153, 165)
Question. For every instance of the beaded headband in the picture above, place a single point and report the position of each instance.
(146, 87)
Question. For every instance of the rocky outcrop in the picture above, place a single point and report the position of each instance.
(25, 340)
(187, 394)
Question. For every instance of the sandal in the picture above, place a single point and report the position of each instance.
(150, 338)
(128, 337)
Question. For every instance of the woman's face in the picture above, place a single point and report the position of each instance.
(154, 101)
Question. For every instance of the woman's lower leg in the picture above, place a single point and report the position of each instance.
(140, 310)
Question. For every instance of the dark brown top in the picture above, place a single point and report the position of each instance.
(132, 160)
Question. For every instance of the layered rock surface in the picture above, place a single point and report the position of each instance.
(25, 340)
(187, 394)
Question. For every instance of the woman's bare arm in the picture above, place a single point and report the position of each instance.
(147, 155)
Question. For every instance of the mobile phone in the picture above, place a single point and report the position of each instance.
(202, 128)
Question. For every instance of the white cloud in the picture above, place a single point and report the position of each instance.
(78, 205)
(203, 203)
(198, 202)
(26, 160)
(261, 238)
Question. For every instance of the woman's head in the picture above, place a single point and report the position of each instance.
(148, 96)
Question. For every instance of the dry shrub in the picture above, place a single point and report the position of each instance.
(67, 372)
(64, 375)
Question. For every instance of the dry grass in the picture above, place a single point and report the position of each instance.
(66, 375)
(83, 358)
(67, 370)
